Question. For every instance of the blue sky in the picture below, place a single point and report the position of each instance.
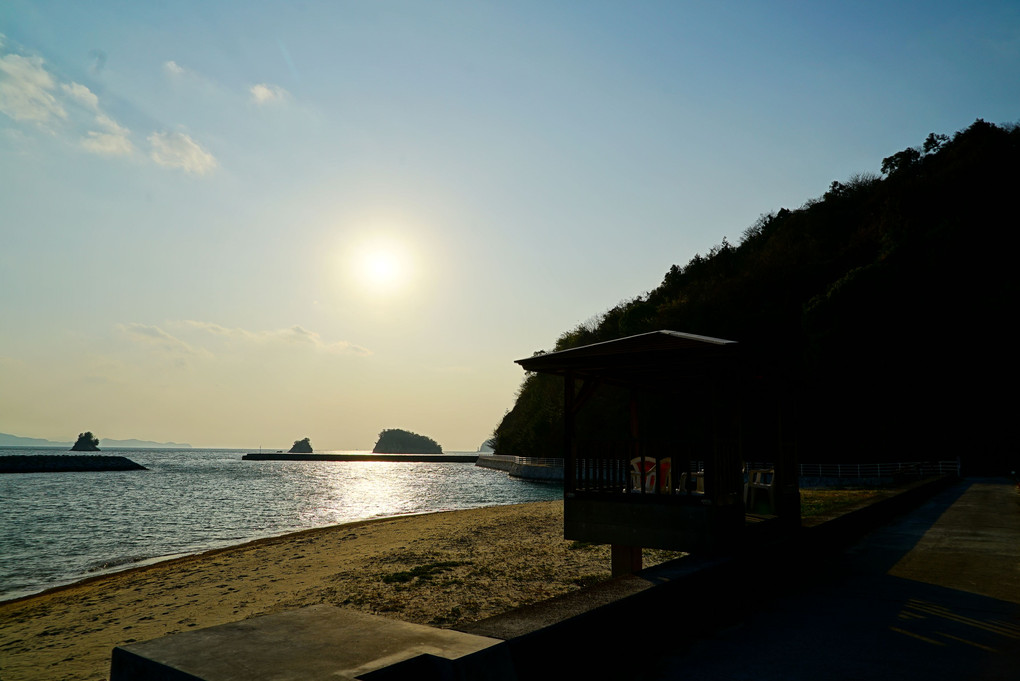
(239, 224)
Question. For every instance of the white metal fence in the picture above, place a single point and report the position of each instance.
(529, 460)
(879, 470)
(806, 470)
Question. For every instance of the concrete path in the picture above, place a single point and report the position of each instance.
(933, 595)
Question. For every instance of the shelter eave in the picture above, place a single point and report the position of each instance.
(656, 354)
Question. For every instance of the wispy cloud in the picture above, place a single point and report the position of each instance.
(178, 150)
(26, 90)
(31, 93)
(264, 93)
(155, 337)
(81, 94)
(294, 336)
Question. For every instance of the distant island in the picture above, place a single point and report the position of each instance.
(8, 440)
(86, 442)
(397, 441)
(301, 447)
(143, 444)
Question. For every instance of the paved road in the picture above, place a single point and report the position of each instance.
(934, 595)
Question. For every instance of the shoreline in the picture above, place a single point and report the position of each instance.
(441, 568)
(146, 563)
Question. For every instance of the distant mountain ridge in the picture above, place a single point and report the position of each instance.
(8, 440)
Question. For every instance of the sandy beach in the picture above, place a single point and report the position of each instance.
(439, 569)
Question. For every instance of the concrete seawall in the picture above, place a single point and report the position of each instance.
(521, 467)
(496, 462)
(529, 471)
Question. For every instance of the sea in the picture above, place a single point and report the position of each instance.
(59, 528)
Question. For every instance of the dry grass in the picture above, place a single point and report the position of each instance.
(822, 502)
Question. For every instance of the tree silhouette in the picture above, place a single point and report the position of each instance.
(86, 442)
(887, 296)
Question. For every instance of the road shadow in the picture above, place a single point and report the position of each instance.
(841, 615)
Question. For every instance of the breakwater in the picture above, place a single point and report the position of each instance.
(66, 463)
(429, 458)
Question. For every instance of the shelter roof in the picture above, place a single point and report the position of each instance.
(654, 358)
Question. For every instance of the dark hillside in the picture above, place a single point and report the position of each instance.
(887, 302)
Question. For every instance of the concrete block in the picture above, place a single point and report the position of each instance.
(317, 642)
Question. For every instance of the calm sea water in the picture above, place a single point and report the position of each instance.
(57, 528)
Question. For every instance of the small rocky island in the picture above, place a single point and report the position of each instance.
(393, 445)
(397, 441)
(86, 442)
(301, 447)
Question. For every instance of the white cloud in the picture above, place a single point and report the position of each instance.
(294, 336)
(173, 68)
(26, 90)
(264, 93)
(177, 150)
(105, 144)
(110, 125)
(114, 140)
(82, 94)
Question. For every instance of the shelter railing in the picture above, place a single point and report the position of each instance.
(879, 470)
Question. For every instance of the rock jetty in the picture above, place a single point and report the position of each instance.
(64, 463)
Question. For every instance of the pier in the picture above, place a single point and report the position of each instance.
(414, 458)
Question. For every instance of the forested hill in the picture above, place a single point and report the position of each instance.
(888, 302)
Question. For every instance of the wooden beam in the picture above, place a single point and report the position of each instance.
(569, 455)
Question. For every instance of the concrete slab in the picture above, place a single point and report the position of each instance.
(932, 595)
(317, 642)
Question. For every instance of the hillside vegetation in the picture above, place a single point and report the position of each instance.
(886, 303)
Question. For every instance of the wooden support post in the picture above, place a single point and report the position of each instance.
(569, 454)
(626, 560)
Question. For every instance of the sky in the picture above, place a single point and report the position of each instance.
(238, 224)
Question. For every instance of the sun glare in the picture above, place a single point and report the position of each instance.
(382, 266)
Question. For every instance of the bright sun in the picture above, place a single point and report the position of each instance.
(382, 266)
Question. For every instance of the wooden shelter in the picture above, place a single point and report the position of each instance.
(660, 461)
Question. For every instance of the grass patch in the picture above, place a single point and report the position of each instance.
(827, 501)
(581, 546)
(587, 580)
(422, 572)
